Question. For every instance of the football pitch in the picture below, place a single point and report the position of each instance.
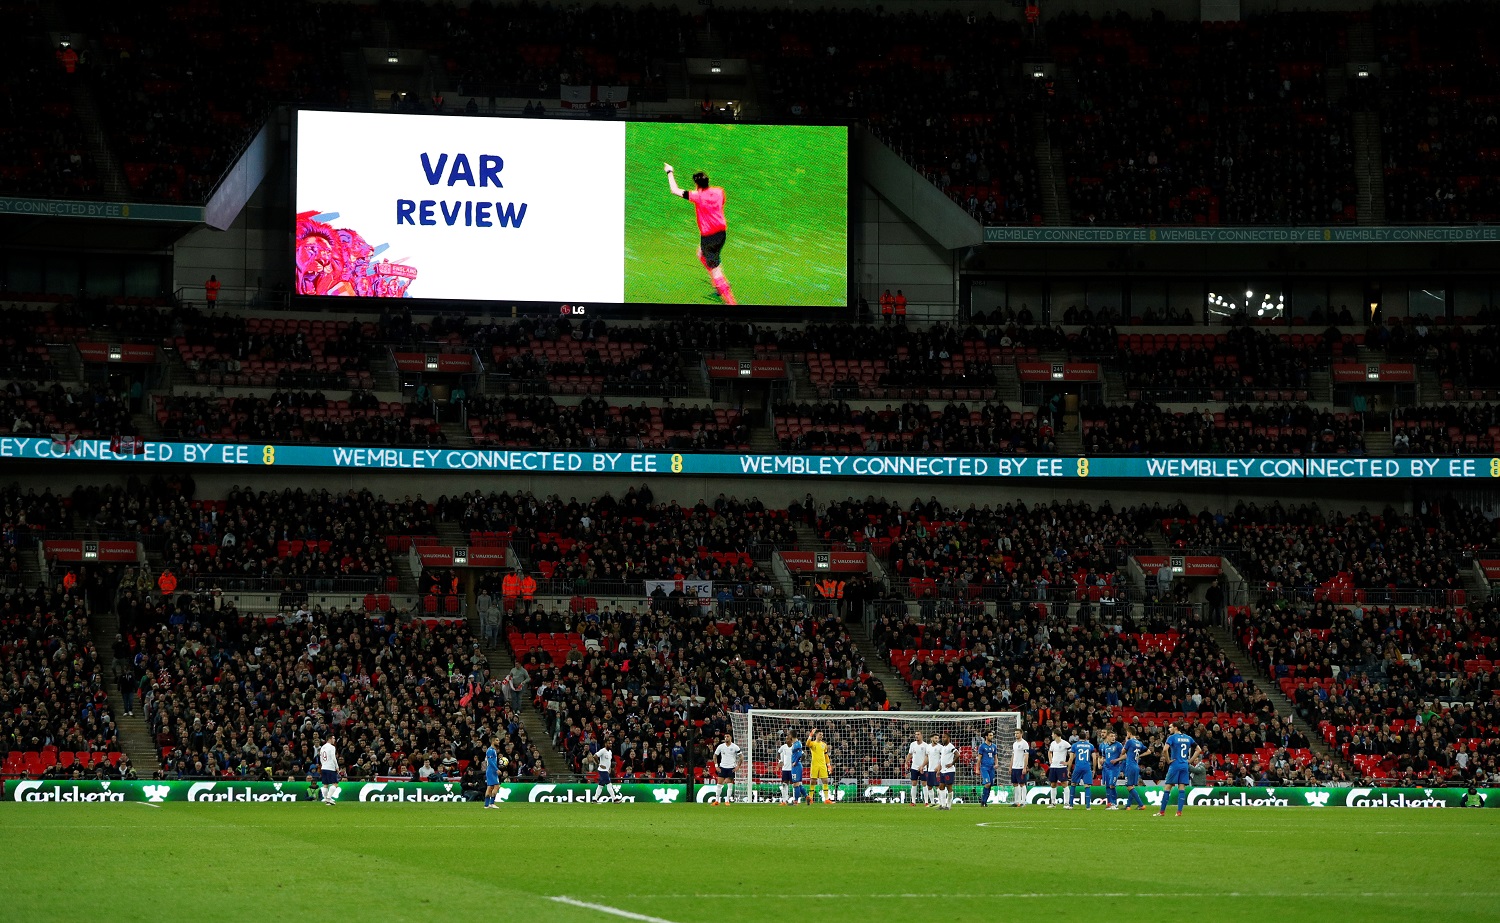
(786, 202)
(696, 863)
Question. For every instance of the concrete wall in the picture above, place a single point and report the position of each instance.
(253, 255)
(890, 252)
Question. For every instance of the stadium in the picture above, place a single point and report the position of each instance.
(750, 460)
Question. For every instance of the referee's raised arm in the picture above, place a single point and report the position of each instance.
(672, 181)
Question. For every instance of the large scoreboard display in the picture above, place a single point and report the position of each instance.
(557, 210)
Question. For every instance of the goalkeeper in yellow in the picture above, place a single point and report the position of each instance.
(820, 764)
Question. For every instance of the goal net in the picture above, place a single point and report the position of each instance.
(868, 750)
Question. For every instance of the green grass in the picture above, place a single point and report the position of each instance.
(695, 863)
(786, 201)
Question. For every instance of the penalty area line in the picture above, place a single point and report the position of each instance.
(605, 908)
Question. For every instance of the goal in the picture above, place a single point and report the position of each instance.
(868, 749)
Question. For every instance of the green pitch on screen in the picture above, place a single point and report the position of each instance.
(786, 202)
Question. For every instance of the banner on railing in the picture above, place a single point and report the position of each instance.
(516, 461)
(1384, 372)
(1185, 565)
(839, 562)
(703, 589)
(127, 353)
(457, 363)
(1057, 371)
(87, 550)
(746, 368)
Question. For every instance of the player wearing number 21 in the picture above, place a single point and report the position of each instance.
(1081, 761)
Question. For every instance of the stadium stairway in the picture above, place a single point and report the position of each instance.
(896, 690)
(1051, 172)
(135, 736)
(1284, 706)
(501, 663)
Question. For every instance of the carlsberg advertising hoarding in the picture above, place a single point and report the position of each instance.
(150, 792)
(92, 792)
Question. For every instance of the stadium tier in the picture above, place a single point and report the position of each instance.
(1402, 693)
(57, 718)
(658, 679)
(230, 696)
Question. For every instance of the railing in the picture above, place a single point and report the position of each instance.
(239, 583)
(233, 296)
(1373, 596)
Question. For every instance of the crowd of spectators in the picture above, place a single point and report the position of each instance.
(1182, 122)
(593, 423)
(1021, 658)
(631, 538)
(1062, 551)
(180, 95)
(46, 410)
(1239, 365)
(909, 78)
(1144, 428)
(298, 416)
(1445, 429)
(45, 151)
(588, 46)
(1469, 358)
(661, 681)
(1404, 693)
(52, 692)
(1302, 548)
(1441, 137)
(913, 427)
(1162, 121)
(288, 354)
(240, 697)
(300, 536)
(1089, 676)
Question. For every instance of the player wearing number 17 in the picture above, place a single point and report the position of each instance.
(708, 202)
(1181, 752)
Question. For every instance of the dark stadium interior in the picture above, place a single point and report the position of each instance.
(1341, 168)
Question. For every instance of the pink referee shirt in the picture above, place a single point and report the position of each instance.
(710, 206)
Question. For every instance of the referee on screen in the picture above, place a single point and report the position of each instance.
(709, 203)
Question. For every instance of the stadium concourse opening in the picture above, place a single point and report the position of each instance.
(1077, 457)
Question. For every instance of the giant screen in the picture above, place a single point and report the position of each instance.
(560, 210)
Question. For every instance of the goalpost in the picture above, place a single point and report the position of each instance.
(868, 750)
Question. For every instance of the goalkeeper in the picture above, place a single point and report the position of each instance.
(493, 762)
(819, 768)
